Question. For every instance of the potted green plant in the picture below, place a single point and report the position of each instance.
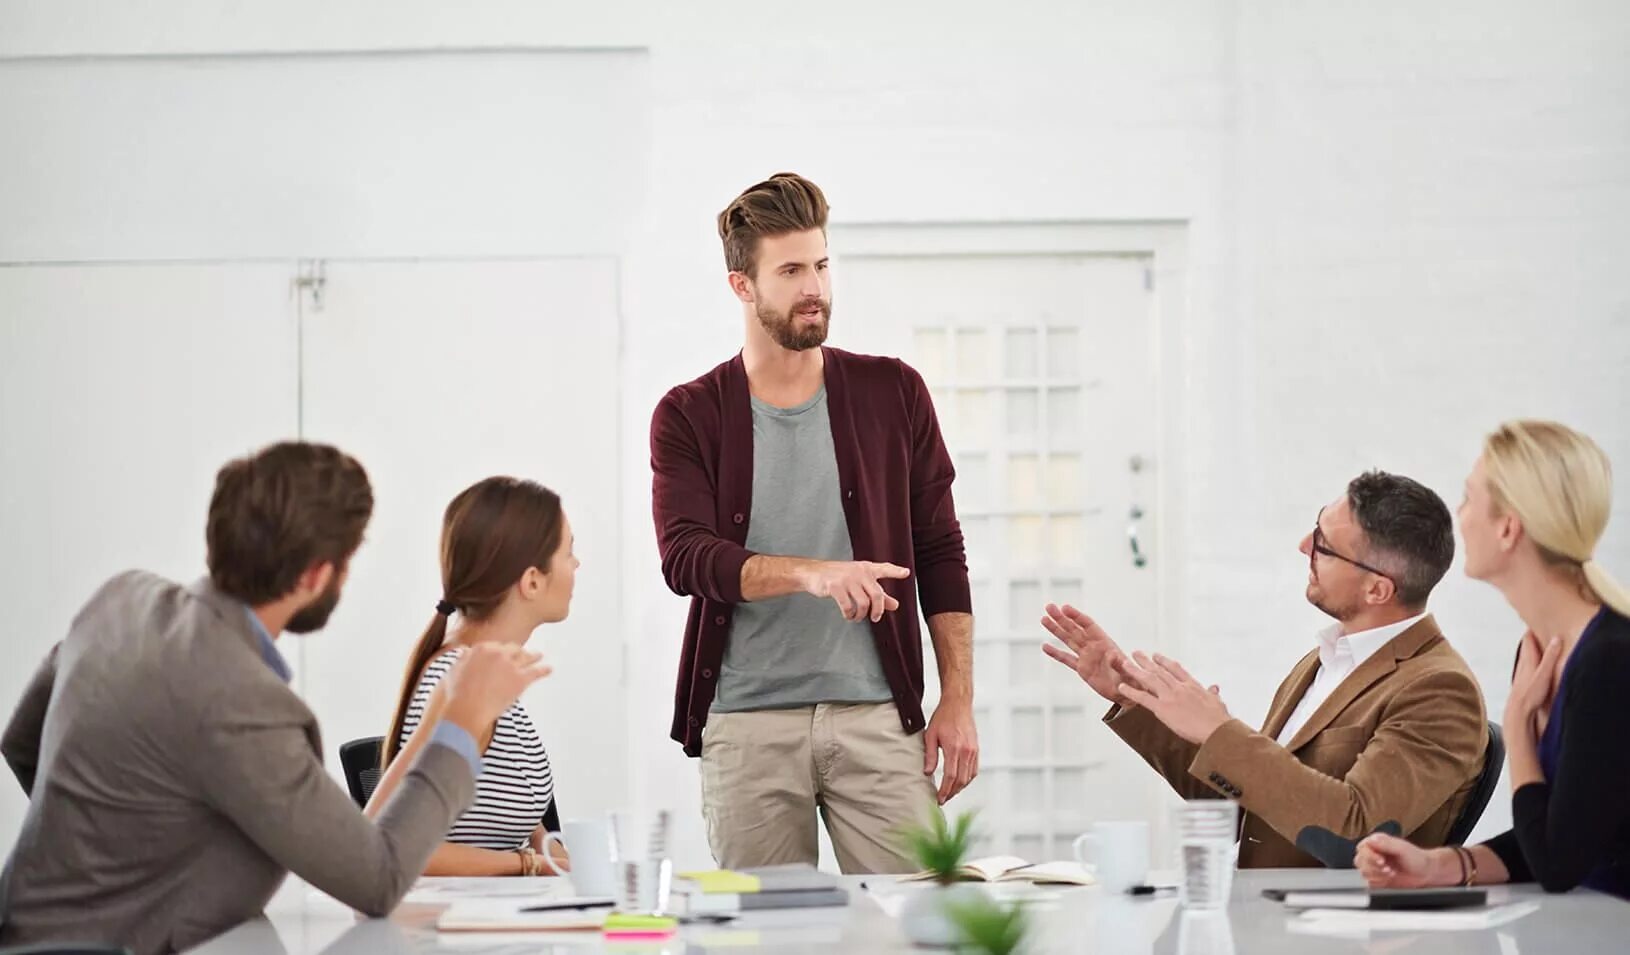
(990, 928)
(940, 848)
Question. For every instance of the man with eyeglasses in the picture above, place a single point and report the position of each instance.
(1381, 722)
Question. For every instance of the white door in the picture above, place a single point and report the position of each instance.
(1042, 373)
(122, 390)
(436, 375)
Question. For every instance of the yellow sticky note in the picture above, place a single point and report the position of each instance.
(723, 881)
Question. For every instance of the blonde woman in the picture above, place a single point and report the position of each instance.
(1536, 504)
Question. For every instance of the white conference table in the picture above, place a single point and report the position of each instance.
(302, 922)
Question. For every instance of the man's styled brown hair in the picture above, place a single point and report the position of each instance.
(281, 510)
(784, 203)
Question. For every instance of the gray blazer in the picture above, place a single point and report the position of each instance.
(174, 779)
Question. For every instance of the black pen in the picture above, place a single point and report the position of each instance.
(1150, 889)
(568, 906)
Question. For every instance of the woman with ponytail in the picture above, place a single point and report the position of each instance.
(1536, 505)
(506, 568)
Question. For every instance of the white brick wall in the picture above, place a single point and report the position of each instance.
(1407, 222)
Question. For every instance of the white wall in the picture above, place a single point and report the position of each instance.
(163, 201)
(111, 431)
(420, 154)
(1405, 225)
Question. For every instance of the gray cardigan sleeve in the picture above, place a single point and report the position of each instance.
(258, 765)
(21, 742)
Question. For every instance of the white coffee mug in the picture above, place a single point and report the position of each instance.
(593, 851)
(1118, 853)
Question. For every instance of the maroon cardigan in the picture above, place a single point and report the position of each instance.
(895, 475)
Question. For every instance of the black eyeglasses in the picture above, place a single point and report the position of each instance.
(1320, 547)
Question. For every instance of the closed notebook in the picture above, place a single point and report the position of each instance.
(1015, 869)
(770, 887)
(1358, 923)
(1380, 899)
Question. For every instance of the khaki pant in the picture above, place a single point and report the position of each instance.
(766, 773)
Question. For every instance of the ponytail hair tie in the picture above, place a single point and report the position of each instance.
(444, 608)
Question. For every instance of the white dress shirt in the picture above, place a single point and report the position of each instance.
(1339, 656)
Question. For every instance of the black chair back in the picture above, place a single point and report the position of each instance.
(1482, 791)
(360, 760)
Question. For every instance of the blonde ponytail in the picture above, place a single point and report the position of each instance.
(1608, 590)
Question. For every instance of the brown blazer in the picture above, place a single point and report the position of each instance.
(1401, 738)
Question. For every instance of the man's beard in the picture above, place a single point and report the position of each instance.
(1337, 611)
(789, 329)
(314, 615)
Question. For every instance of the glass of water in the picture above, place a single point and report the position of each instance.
(1201, 932)
(1206, 836)
(644, 886)
(644, 872)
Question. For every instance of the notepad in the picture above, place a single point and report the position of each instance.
(632, 926)
(499, 917)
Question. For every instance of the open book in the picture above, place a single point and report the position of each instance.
(1015, 869)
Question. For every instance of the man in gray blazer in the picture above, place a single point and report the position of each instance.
(174, 777)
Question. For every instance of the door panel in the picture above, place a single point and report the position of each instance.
(436, 375)
(1042, 374)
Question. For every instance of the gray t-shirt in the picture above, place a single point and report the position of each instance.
(797, 650)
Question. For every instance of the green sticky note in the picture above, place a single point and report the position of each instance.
(625, 922)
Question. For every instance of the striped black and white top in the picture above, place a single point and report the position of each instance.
(515, 787)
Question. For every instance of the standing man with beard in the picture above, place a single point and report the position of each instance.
(1383, 721)
(173, 776)
(802, 498)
